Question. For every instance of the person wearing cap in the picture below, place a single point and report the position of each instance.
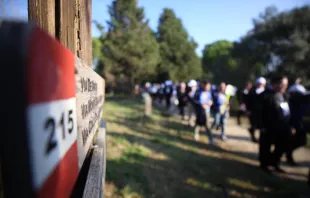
(193, 95)
(298, 101)
(254, 106)
(276, 125)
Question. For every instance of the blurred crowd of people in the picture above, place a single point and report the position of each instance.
(273, 110)
(277, 112)
(198, 100)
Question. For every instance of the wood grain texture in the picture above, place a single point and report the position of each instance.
(93, 186)
(84, 31)
(67, 23)
(42, 12)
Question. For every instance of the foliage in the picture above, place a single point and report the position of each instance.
(131, 51)
(217, 59)
(286, 37)
(177, 50)
(279, 42)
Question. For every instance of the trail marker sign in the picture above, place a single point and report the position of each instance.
(90, 99)
(53, 108)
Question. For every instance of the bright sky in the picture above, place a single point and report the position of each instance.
(205, 20)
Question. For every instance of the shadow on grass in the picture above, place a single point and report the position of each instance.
(160, 162)
(185, 173)
(180, 137)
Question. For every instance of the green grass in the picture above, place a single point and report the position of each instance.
(156, 157)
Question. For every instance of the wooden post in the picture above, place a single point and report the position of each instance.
(43, 13)
(66, 23)
(84, 33)
(67, 20)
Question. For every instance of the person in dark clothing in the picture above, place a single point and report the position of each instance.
(168, 93)
(254, 106)
(193, 95)
(276, 124)
(182, 98)
(161, 93)
(298, 101)
(243, 97)
(153, 91)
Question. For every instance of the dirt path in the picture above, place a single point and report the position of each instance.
(239, 141)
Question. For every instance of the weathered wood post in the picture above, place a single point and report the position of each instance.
(58, 105)
(148, 105)
(67, 20)
(147, 101)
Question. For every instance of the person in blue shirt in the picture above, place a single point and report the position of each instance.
(203, 108)
(221, 107)
(204, 102)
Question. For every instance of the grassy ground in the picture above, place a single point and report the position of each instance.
(160, 159)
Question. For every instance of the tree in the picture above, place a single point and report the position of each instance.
(285, 39)
(177, 50)
(97, 55)
(130, 48)
(218, 61)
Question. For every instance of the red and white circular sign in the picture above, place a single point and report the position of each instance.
(51, 114)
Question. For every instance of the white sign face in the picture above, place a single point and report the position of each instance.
(89, 101)
(53, 131)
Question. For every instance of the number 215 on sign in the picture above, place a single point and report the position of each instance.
(52, 131)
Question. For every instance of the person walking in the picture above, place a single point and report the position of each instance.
(161, 93)
(254, 106)
(243, 98)
(168, 93)
(193, 94)
(276, 124)
(205, 102)
(183, 99)
(221, 106)
(298, 101)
